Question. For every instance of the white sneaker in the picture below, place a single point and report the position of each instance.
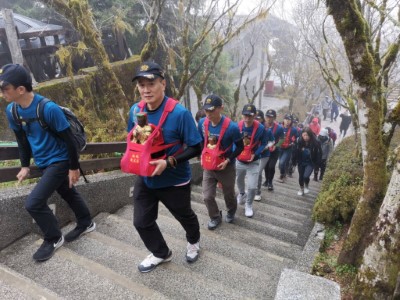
(300, 192)
(257, 198)
(241, 199)
(193, 251)
(306, 190)
(151, 262)
(248, 210)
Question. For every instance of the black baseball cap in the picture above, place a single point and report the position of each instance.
(249, 110)
(288, 117)
(271, 113)
(16, 75)
(149, 70)
(259, 114)
(211, 102)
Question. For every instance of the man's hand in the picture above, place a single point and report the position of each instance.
(73, 176)
(223, 165)
(251, 158)
(161, 165)
(23, 174)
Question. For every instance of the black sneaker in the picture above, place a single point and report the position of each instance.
(78, 231)
(214, 222)
(229, 218)
(270, 187)
(265, 184)
(47, 249)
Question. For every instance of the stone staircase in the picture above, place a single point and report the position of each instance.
(243, 260)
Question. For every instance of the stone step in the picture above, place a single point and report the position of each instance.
(228, 236)
(213, 276)
(291, 233)
(70, 275)
(262, 212)
(15, 286)
(123, 257)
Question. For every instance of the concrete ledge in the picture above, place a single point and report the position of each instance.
(311, 249)
(106, 192)
(295, 285)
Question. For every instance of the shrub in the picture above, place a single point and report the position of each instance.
(342, 185)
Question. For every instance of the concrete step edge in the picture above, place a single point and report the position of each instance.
(105, 239)
(261, 209)
(210, 234)
(297, 210)
(176, 268)
(107, 273)
(26, 285)
(243, 230)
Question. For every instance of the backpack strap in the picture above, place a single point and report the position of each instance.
(40, 113)
(17, 118)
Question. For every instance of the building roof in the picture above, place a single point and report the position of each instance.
(29, 25)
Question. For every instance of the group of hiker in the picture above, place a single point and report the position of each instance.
(163, 137)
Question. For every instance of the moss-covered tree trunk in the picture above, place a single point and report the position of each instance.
(355, 35)
(378, 273)
(79, 14)
(151, 45)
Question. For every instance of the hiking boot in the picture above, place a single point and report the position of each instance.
(248, 210)
(270, 187)
(257, 198)
(78, 231)
(306, 190)
(229, 218)
(193, 252)
(151, 262)
(241, 198)
(300, 192)
(47, 249)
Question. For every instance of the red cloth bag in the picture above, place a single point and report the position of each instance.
(247, 152)
(137, 157)
(211, 158)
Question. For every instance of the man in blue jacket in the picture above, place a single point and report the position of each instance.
(55, 155)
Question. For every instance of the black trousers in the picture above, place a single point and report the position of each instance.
(270, 166)
(177, 200)
(55, 178)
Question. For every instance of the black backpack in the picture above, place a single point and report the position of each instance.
(78, 131)
(76, 126)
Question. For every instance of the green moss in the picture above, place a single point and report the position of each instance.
(91, 102)
(339, 195)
